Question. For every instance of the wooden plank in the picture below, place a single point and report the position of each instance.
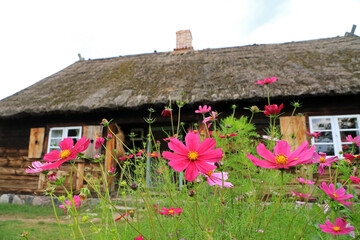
(293, 130)
(92, 132)
(7, 171)
(109, 156)
(36, 142)
(18, 183)
(16, 177)
(79, 179)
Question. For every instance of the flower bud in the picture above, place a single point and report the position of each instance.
(191, 193)
(134, 186)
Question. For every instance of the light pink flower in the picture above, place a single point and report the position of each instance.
(76, 202)
(37, 167)
(266, 81)
(303, 195)
(301, 180)
(314, 134)
(338, 195)
(355, 180)
(112, 170)
(211, 118)
(68, 151)
(355, 140)
(335, 229)
(321, 158)
(273, 110)
(282, 157)
(217, 179)
(53, 177)
(195, 157)
(99, 142)
(171, 211)
(109, 136)
(203, 109)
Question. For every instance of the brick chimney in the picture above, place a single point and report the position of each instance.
(183, 40)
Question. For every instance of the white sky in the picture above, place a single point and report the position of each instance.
(40, 38)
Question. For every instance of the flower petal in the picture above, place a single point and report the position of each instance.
(211, 156)
(67, 143)
(264, 153)
(192, 141)
(282, 147)
(178, 147)
(191, 172)
(261, 163)
(206, 145)
(204, 167)
(52, 156)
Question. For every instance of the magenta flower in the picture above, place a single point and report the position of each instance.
(273, 110)
(99, 142)
(335, 229)
(139, 238)
(338, 195)
(195, 157)
(303, 195)
(53, 177)
(111, 171)
(314, 134)
(76, 202)
(228, 135)
(109, 136)
(355, 140)
(266, 81)
(153, 154)
(217, 179)
(355, 180)
(166, 112)
(171, 211)
(212, 117)
(321, 158)
(203, 109)
(301, 180)
(68, 151)
(282, 157)
(37, 167)
(126, 157)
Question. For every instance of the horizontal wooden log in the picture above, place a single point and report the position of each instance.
(17, 177)
(18, 184)
(3, 162)
(7, 171)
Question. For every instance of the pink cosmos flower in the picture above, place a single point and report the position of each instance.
(335, 229)
(111, 171)
(314, 134)
(99, 142)
(273, 110)
(121, 216)
(68, 151)
(266, 81)
(203, 109)
(282, 157)
(228, 135)
(355, 180)
(211, 118)
(166, 112)
(321, 158)
(109, 136)
(338, 195)
(76, 202)
(126, 157)
(154, 155)
(303, 195)
(195, 157)
(301, 180)
(139, 238)
(171, 211)
(355, 140)
(53, 177)
(37, 167)
(217, 179)
(351, 157)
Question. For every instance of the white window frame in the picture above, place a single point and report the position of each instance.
(335, 130)
(65, 131)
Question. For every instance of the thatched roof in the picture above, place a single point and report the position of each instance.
(317, 67)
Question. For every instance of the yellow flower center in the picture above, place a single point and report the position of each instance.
(322, 160)
(336, 229)
(335, 195)
(193, 155)
(209, 173)
(171, 211)
(281, 159)
(64, 154)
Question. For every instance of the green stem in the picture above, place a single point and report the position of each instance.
(56, 216)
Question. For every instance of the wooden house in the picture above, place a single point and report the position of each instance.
(323, 74)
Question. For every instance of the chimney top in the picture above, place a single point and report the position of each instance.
(183, 40)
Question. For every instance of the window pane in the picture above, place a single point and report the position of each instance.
(325, 137)
(321, 124)
(344, 134)
(56, 133)
(347, 123)
(350, 148)
(73, 132)
(326, 148)
(55, 142)
(54, 148)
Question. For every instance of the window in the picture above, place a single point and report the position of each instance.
(57, 134)
(334, 130)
